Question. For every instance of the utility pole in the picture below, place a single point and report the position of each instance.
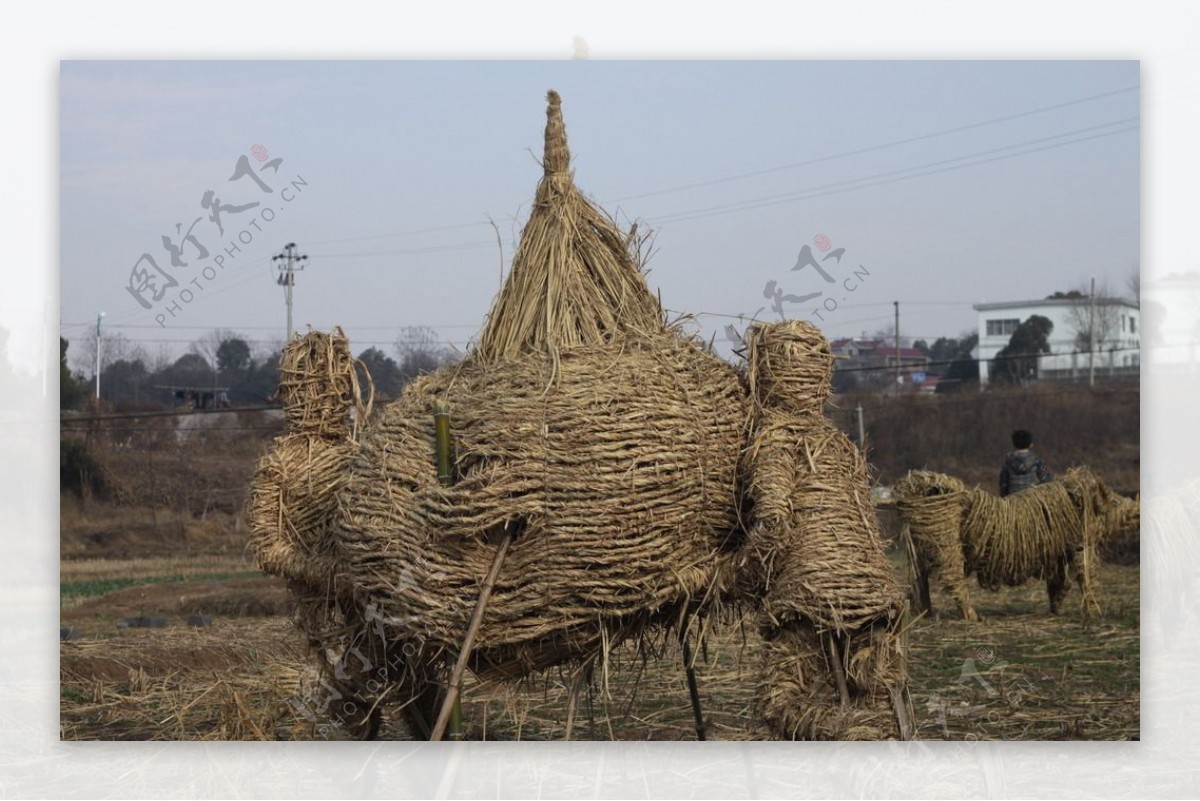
(98, 318)
(287, 277)
(896, 303)
(1092, 335)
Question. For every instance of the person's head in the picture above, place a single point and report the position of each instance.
(1022, 439)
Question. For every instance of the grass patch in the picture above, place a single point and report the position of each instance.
(77, 590)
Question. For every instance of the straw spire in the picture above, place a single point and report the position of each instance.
(556, 157)
(575, 279)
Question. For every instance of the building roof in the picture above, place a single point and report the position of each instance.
(1019, 304)
(877, 347)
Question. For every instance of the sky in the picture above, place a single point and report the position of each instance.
(937, 184)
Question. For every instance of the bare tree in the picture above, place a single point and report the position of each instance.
(263, 350)
(114, 347)
(1094, 321)
(888, 334)
(162, 359)
(1133, 284)
(420, 351)
(416, 339)
(208, 345)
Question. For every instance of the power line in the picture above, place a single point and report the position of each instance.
(863, 182)
(241, 272)
(412, 251)
(412, 232)
(874, 148)
(893, 176)
(754, 173)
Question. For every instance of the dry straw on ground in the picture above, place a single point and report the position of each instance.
(1051, 532)
(606, 446)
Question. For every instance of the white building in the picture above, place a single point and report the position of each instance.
(1118, 332)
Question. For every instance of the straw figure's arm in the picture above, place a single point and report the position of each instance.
(772, 471)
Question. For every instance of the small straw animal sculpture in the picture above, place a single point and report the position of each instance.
(1051, 532)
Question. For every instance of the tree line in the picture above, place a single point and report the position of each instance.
(132, 378)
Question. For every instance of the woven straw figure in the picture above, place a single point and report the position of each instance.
(294, 496)
(1050, 532)
(833, 666)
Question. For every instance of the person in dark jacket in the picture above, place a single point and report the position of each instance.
(1022, 467)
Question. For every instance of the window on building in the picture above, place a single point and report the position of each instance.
(1133, 325)
(997, 328)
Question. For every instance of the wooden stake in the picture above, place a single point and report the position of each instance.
(839, 671)
(693, 690)
(445, 471)
(900, 706)
(573, 700)
(464, 655)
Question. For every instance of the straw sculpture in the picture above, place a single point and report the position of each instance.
(600, 440)
(1051, 532)
(595, 495)
(297, 481)
(833, 665)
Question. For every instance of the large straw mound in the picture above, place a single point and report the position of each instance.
(1044, 532)
(617, 479)
(833, 666)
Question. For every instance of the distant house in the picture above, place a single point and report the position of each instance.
(873, 361)
(1117, 323)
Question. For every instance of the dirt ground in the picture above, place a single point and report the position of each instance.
(1018, 674)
